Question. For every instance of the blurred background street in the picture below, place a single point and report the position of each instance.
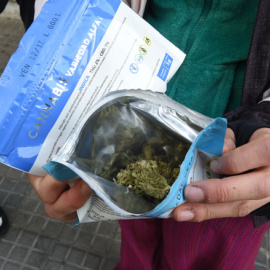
(35, 242)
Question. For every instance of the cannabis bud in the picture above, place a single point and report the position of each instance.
(132, 150)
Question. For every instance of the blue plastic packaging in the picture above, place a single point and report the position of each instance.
(73, 54)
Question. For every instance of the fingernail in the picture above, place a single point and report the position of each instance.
(185, 215)
(194, 194)
(228, 143)
(214, 165)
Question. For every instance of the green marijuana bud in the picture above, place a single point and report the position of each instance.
(132, 150)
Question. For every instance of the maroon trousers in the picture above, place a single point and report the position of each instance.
(163, 244)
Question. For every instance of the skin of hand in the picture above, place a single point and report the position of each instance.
(60, 200)
(237, 194)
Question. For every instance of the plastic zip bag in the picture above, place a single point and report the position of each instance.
(116, 130)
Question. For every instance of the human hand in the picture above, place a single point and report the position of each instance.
(60, 201)
(238, 194)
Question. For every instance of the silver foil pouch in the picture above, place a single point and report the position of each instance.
(137, 150)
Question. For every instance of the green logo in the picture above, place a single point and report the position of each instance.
(147, 41)
(143, 50)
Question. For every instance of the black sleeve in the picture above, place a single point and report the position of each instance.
(243, 131)
(257, 82)
(27, 10)
(257, 75)
(3, 4)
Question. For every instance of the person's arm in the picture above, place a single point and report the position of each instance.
(255, 110)
(246, 153)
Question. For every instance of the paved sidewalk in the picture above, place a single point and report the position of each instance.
(37, 242)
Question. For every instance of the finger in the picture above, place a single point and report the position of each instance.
(229, 142)
(47, 188)
(69, 201)
(251, 186)
(260, 133)
(250, 156)
(198, 212)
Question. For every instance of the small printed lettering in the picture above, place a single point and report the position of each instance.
(83, 48)
(24, 70)
(42, 118)
(36, 50)
(58, 90)
(93, 30)
(84, 83)
(53, 21)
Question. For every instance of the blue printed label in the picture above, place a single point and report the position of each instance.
(165, 67)
(55, 69)
(67, 60)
